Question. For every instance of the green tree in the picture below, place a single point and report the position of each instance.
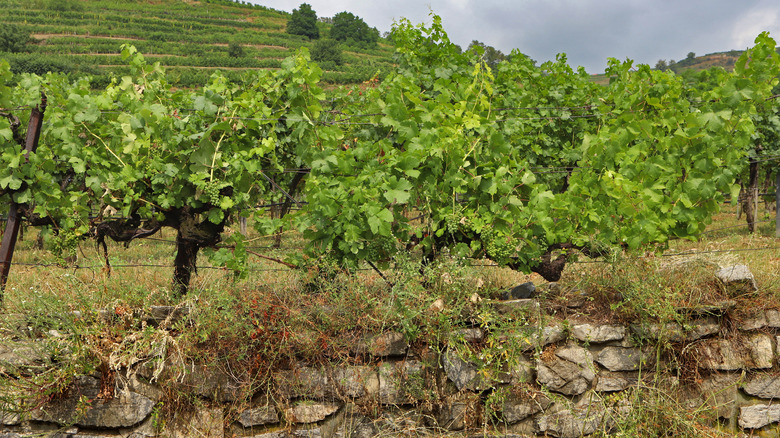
(489, 54)
(303, 22)
(13, 39)
(327, 51)
(691, 55)
(661, 65)
(235, 50)
(353, 30)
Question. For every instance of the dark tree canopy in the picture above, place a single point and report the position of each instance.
(13, 39)
(353, 30)
(303, 22)
(489, 54)
(327, 51)
(235, 50)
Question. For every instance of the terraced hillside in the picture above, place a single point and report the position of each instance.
(190, 38)
(725, 60)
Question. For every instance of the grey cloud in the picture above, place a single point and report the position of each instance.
(588, 31)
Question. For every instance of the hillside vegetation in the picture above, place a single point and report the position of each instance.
(724, 60)
(190, 38)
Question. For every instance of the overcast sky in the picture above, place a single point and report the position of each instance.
(588, 31)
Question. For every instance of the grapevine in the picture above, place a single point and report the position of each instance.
(525, 164)
(146, 156)
(521, 164)
(64, 246)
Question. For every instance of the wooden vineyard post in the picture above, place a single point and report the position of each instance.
(12, 225)
(755, 211)
(777, 203)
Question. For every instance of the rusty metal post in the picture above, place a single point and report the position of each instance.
(12, 225)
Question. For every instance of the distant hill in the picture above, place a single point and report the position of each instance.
(725, 60)
(698, 63)
(191, 38)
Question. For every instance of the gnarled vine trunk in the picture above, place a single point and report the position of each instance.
(184, 264)
(193, 233)
(287, 204)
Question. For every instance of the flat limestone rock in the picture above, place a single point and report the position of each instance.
(571, 423)
(570, 372)
(259, 416)
(464, 374)
(215, 383)
(773, 318)
(537, 337)
(521, 372)
(758, 416)
(125, 410)
(516, 409)
(459, 412)
(695, 330)
(308, 412)
(753, 321)
(303, 381)
(719, 392)
(598, 333)
(737, 277)
(21, 357)
(763, 387)
(204, 422)
(615, 381)
(356, 381)
(469, 334)
(750, 352)
(621, 359)
(388, 344)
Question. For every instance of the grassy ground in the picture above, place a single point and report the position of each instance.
(141, 273)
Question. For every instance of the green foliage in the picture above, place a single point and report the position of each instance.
(327, 51)
(42, 64)
(353, 30)
(179, 158)
(303, 21)
(235, 50)
(13, 39)
(86, 41)
(519, 164)
(489, 54)
(64, 245)
(635, 163)
(65, 5)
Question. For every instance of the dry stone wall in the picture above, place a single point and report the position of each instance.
(572, 377)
